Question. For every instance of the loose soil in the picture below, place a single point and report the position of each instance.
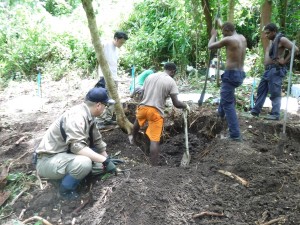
(168, 193)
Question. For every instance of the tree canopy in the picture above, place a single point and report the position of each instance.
(53, 34)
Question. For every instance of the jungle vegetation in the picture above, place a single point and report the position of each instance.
(52, 35)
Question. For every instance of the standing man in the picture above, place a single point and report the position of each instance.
(112, 56)
(73, 143)
(233, 76)
(157, 88)
(275, 70)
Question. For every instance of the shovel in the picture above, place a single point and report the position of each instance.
(185, 161)
(283, 134)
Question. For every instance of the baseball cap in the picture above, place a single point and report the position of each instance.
(99, 94)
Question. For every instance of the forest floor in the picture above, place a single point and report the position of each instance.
(168, 193)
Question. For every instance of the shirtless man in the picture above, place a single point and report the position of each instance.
(275, 70)
(233, 76)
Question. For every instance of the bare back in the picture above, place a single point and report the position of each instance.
(235, 51)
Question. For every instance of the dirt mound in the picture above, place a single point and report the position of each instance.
(167, 194)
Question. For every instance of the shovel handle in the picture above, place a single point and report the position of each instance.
(186, 132)
(289, 86)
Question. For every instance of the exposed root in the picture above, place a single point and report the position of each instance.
(26, 188)
(40, 181)
(236, 177)
(22, 214)
(11, 163)
(208, 214)
(82, 205)
(282, 219)
(46, 222)
(20, 140)
(264, 217)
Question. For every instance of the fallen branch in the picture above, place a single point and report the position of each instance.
(82, 205)
(194, 121)
(40, 181)
(3, 176)
(11, 163)
(265, 216)
(20, 140)
(22, 214)
(37, 218)
(253, 132)
(105, 192)
(4, 196)
(208, 214)
(26, 188)
(236, 177)
(274, 221)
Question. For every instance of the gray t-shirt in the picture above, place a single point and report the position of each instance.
(157, 88)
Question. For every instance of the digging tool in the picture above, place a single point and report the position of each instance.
(133, 78)
(200, 101)
(252, 94)
(283, 134)
(39, 81)
(185, 161)
(211, 54)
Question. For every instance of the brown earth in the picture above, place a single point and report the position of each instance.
(167, 194)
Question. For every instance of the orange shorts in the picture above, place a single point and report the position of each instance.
(155, 121)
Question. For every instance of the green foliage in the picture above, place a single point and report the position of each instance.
(60, 7)
(159, 31)
(28, 40)
(15, 183)
(247, 23)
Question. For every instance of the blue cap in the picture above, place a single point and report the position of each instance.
(99, 94)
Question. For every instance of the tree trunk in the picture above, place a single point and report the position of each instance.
(265, 18)
(197, 20)
(282, 14)
(230, 15)
(207, 15)
(123, 122)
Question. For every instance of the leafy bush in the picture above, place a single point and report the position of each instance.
(159, 31)
(60, 7)
(28, 40)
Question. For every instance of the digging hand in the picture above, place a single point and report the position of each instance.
(109, 166)
(116, 161)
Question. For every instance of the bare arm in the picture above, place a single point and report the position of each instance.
(213, 44)
(177, 103)
(286, 43)
(94, 156)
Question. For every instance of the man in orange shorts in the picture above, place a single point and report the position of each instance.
(157, 88)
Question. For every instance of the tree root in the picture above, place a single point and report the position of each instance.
(236, 177)
(76, 211)
(208, 214)
(26, 188)
(37, 218)
(274, 221)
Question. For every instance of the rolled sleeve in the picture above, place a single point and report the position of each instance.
(99, 144)
(77, 133)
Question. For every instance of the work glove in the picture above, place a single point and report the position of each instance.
(187, 109)
(116, 161)
(109, 166)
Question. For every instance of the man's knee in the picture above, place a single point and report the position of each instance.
(80, 167)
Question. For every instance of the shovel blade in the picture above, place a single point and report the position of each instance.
(185, 161)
